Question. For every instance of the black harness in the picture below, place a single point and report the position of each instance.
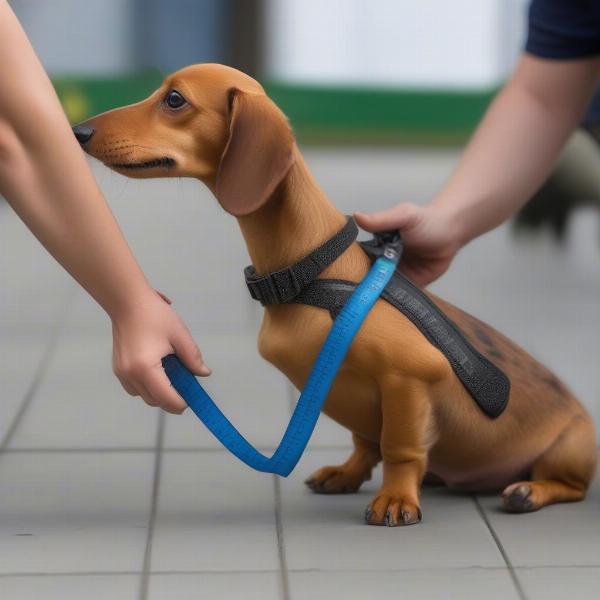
(299, 284)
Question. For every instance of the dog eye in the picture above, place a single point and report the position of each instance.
(175, 100)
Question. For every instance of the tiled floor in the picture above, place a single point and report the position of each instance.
(102, 497)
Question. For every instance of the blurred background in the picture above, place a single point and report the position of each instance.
(340, 69)
(382, 95)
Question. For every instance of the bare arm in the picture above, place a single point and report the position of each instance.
(45, 178)
(511, 153)
(517, 142)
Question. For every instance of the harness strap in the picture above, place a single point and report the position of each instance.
(486, 383)
(283, 286)
(329, 294)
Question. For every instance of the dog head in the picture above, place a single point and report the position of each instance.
(206, 121)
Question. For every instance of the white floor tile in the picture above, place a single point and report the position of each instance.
(427, 584)
(224, 586)
(328, 533)
(370, 179)
(70, 587)
(251, 392)
(34, 286)
(561, 534)
(74, 512)
(189, 248)
(81, 404)
(560, 582)
(20, 358)
(214, 514)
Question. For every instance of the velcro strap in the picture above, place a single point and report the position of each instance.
(283, 286)
(487, 384)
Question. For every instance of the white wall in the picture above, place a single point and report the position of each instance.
(424, 43)
(80, 36)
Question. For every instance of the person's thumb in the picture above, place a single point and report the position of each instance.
(188, 352)
(402, 216)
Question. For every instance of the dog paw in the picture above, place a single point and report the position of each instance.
(519, 498)
(335, 480)
(392, 511)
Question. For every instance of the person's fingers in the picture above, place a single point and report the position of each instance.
(128, 387)
(188, 352)
(124, 376)
(147, 396)
(403, 216)
(132, 378)
(160, 390)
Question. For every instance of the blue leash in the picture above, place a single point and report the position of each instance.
(320, 380)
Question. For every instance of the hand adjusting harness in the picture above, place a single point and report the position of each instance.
(348, 304)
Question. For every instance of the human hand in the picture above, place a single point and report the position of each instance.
(142, 335)
(430, 241)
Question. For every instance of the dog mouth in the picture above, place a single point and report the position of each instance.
(165, 161)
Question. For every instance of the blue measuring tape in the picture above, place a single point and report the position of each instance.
(320, 380)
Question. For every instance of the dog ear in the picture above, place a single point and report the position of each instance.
(258, 154)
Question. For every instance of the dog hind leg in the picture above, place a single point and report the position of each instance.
(348, 477)
(561, 474)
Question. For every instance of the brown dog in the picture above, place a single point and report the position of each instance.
(396, 392)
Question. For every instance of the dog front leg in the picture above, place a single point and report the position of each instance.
(406, 416)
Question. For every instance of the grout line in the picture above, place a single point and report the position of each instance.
(226, 573)
(283, 568)
(507, 561)
(40, 372)
(117, 449)
(69, 574)
(175, 449)
(72, 450)
(160, 436)
(188, 572)
(176, 573)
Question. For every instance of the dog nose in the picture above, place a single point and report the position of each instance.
(83, 133)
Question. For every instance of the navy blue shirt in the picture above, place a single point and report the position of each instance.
(563, 29)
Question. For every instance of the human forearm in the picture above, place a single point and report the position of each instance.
(44, 176)
(516, 144)
(510, 154)
(67, 213)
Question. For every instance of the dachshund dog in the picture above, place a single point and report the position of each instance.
(395, 392)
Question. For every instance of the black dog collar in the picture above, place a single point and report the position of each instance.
(283, 286)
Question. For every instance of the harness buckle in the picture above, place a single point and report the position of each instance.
(286, 285)
(391, 242)
(266, 291)
(277, 288)
(385, 243)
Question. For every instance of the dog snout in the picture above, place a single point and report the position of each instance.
(83, 133)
